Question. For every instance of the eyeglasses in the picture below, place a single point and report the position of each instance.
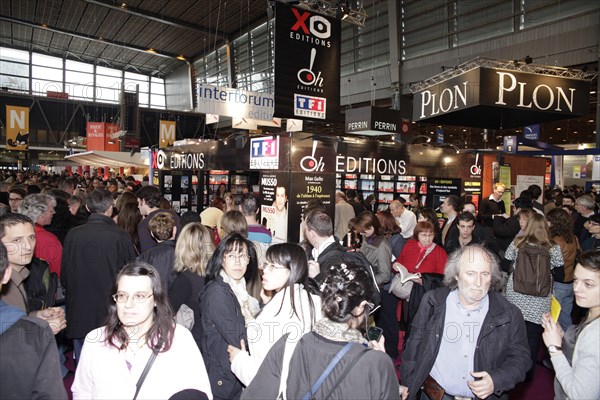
(139, 298)
(15, 198)
(427, 234)
(233, 257)
(270, 267)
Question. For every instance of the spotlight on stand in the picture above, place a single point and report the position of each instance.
(526, 60)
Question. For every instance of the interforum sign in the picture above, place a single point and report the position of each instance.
(235, 102)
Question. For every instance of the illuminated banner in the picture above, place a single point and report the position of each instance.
(234, 102)
(17, 128)
(264, 153)
(307, 67)
(501, 99)
(166, 133)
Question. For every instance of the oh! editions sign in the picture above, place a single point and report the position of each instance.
(497, 98)
(307, 67)
(234, 102)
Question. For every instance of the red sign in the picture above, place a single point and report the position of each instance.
(95, 135)
(57, 95)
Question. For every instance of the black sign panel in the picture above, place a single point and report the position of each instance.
(501, 99)
(373, 121)
(307, 64)
(440, 188)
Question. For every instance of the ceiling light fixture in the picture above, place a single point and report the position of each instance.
(151, 50)
(181, 57)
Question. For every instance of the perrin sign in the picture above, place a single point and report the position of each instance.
(496, 98)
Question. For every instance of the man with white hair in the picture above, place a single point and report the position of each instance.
(404, 217)
(466, 341)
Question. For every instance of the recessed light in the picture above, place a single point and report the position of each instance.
(559, 128)
(550, 137)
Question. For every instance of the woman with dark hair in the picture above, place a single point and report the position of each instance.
(370, 202)
(391, 231)
(292, 309)
(414, 202)
(428, 214)
(575, 354)
(421, 255)
(128, 219)
(561, 232)
(360, 373)
(375, 246)
(532, 307)
(139, 324)
(226, 309)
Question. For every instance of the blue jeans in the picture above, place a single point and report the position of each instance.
(77, 346)
(564, 294)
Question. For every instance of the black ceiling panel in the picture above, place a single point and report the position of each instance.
(71, 13)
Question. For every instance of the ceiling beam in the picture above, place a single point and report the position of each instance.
(157, 18)
(108, 42)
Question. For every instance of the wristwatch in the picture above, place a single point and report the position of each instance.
(554, 349)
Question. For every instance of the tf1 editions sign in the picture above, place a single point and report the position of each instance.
(264, 153)
(307, 67)
(497, 98)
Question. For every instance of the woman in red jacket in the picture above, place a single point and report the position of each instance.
(420, 254)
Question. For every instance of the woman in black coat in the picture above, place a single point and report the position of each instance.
(226, 307)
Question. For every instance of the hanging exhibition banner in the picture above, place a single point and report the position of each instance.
(500, 98)
(307, 64)
(17, 128)
(166, 133)
(95, 135)
(373, 121)
(234, 102)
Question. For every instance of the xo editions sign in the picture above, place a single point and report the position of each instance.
(160, 160)
(307, 48)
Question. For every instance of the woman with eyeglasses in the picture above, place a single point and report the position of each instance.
(226, 309)
(361, 373)
(291, 310)
(421, 255)
(139, 323)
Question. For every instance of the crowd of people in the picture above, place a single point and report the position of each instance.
(208, 305)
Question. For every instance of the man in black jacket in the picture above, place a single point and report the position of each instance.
(93, 254)
(466, 340)
(162, 256)
(493, 206)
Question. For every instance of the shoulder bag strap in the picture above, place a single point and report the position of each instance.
(348, 368)
(285, 369)
(140, 381)
(427, 252)
(340, 354)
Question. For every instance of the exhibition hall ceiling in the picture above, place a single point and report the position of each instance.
(123, 34)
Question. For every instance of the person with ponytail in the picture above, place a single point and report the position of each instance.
(363, 371)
